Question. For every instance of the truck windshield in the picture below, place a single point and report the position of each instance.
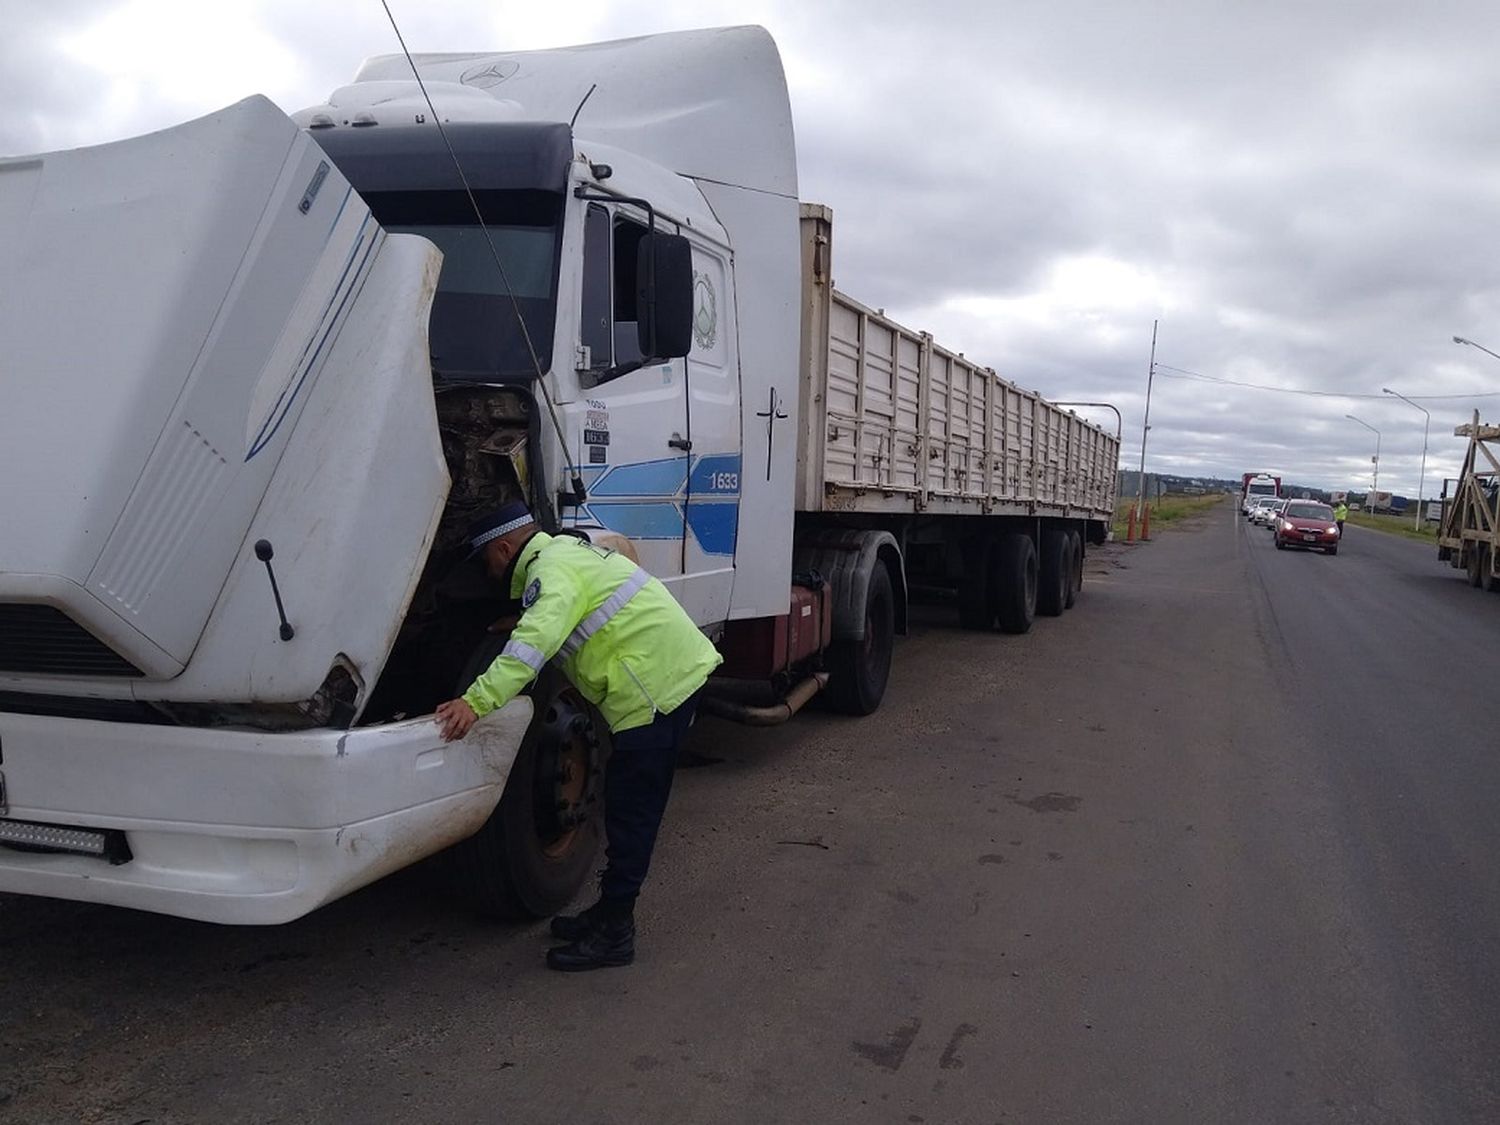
(1266, 489)
(477, 314)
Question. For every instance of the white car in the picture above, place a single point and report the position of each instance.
(1261, 508)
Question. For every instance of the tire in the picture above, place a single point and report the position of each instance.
(538, 846)
(1332, 550)
(976, 602)
(1474, 565)
(860, 669)
(1015, 582)
(1075, 568)
(1488, 580)
(1054, 574)
(1280, 546)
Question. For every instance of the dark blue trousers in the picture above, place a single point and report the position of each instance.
(637, 783)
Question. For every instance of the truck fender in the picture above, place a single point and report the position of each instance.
(847, 559)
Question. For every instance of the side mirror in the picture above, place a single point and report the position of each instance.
(664, 296)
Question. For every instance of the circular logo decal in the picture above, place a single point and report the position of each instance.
(489, 74)
(705, 311)
(531, 593)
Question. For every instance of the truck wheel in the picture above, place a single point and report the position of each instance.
(537, 847)
(1075, 568)
(1055, 574)
(1487, 577)
(1016, 582)
(976, 604)
(860, 668)
(1474, 564)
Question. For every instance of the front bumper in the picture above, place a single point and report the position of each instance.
(242, 826)
(1318, 542)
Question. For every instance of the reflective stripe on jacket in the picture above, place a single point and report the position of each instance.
(618, 635)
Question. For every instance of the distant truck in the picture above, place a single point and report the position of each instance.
(262, 373)
(1469, 528)
(1253, 485)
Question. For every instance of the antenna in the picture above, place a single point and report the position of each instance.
(589, 95)
(576, 478)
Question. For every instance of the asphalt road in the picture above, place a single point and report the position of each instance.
(1214, 846)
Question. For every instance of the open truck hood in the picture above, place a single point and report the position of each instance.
(165, 306)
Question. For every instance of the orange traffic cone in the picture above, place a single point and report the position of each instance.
(1146, 523)
(1130, 526)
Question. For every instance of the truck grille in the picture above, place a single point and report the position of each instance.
(43, 640)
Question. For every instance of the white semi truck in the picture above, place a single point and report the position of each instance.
(259, 372)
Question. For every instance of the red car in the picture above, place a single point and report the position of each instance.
(1306, 523)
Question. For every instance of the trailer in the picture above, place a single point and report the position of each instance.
(264, 370)
(1469, 526)
(987, 490)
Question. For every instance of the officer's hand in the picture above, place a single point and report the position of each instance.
(503, 625)
(455, 718)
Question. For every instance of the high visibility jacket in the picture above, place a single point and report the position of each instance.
(618, 635)
(1341, 512)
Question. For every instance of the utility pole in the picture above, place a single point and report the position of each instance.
(1374, 461)
(1140, 493)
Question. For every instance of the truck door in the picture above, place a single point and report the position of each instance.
(711, 502)
(631, 429)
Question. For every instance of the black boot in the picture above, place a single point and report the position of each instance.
(609, 943)
(571, 927)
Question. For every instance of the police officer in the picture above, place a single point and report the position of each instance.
(631, 651)
(1340, 514)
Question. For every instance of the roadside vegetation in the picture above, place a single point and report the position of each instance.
(1394, 525)
(1166, 509)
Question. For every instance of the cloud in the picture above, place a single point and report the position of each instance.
(1303, 199)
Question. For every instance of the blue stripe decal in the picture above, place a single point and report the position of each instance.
(714, 523)
(341, 295)
(640, 519)
(646, 500)
(717, 474)
(645, 478)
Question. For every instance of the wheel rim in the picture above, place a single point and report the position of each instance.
(566, 777)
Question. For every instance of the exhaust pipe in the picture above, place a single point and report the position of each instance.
(773, 715)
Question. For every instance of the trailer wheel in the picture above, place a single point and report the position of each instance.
(1075, 568)
(537, 847)
(1055, 573)
(860, 668)
(1016, 582)
(1474, 564)
(1488, 579)
(976, 602)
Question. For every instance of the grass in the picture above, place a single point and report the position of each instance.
(1166, 509)
(1394, 525)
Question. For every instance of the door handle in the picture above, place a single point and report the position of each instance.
(677, 441)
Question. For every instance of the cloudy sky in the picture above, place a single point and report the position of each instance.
(1305, 193)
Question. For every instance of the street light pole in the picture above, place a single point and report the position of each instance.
(1472, 344)
(1140, 492)
(1375, 479)
(1426, 421)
